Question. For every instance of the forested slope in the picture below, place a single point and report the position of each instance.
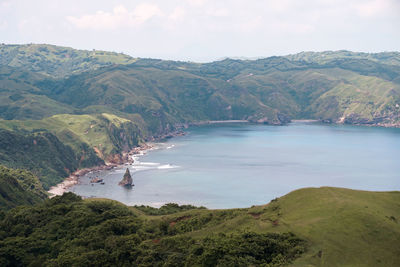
(308, 227)
(66, 93)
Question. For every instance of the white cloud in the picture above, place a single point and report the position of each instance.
(373, 8)
(177, 14)
(197, 3)
(145, 12)
(3, 25)
(217, 12)
(205, 29)
(23, 24)
(119, 17)
(5, 4)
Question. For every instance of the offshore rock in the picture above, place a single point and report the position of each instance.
(126, 180)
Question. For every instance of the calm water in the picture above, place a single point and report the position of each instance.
(241, 165)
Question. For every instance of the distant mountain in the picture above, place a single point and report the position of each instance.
(63, 109)
(155, 97)
(389, 58)
(57, 61)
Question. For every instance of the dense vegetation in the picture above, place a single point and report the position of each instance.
(44, 154)
(57, 61)
(66, 231)
(56, 146)
(337, 86)
(62, 109)
(19, 187)
(308, 227)
(88, 107)
(92, 106)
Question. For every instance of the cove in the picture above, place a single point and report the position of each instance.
(240, 165)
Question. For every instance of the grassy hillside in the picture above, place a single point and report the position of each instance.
(390, 58)
(308, 227)
(21, 99)
(339, 86)
(360, 99)
(160, 96)
(56, 146)
(107, 102)
(107, 134)
(57, 61)
(44, 154)
(19, 187)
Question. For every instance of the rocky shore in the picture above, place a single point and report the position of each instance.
(116, 161)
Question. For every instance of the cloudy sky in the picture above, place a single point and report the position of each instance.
(204, 30)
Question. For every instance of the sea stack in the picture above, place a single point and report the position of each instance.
(127, 179)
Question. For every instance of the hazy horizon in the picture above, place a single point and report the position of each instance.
(204, 30)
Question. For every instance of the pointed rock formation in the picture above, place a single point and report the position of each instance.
(127, 180)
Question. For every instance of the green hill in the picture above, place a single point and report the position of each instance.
(308, 227)
(56, 146)
(44, 154)
(100, 104)
(338, 86)
(57, 61)
(390, 58)
(107, 134)
(19, 187)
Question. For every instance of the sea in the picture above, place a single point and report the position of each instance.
(241, 165)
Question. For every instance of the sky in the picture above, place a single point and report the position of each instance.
(204, 30)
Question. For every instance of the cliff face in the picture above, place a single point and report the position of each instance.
(127, 179)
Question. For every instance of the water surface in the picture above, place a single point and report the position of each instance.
(239, 165)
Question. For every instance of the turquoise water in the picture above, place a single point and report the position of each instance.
(240, 165)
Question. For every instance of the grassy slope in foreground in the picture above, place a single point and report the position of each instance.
(346, 227)
(341, 227)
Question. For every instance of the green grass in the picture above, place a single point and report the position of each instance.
(56, 146)
(328, 226)
(19, 187)
(343, 227)
(391, 58)
(99, 132)
(58, 61)
(360, 88)
(369, 99)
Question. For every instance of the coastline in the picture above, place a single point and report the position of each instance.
(218, 122)
(126, 157)
(73, 179)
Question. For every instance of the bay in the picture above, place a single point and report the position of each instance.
(240, 165)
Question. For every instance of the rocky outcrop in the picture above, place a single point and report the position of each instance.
(377, 120)
(126, 180)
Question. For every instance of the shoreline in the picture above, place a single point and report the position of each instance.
(219, 122)
(73, 179)
(126, 157)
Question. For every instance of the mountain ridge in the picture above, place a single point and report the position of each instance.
(157, 97)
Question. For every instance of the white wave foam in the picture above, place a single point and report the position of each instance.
(141, 168)
(149, 163)
(167, 166)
